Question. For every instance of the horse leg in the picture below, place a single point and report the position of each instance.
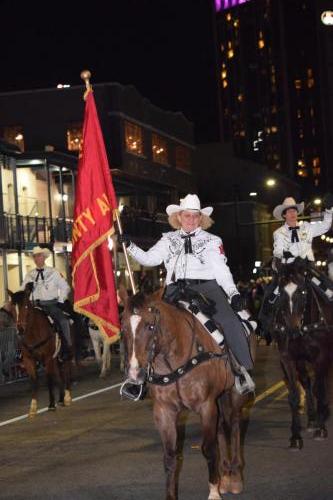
(209, 420)
(106, 359)
(50, 372)
(122, 355)
(224, 404)
(67, 383)
(166, 422)
(289, 368)
(320, 391)
(305, 380)
(30, 366)
(236, 480)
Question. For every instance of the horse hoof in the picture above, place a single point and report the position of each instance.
(320, 434)
(296, 444)
(67, 398)
(224, 484)
(236, 486)
(51, 408)
(32, 414)
(311, 427)
(214, 492)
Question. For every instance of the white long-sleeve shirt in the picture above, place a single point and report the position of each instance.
(207, 262)
(51, 287)
(306, 232)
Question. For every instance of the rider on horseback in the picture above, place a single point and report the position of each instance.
(50, 290)
(195, 262)
(293, 240)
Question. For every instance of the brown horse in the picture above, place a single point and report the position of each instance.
(39, 345)
(185, 369)
(303, 328)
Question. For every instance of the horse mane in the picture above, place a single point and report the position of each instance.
(137, 301)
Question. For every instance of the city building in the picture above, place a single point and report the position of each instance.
(276, 81)
(150, 154)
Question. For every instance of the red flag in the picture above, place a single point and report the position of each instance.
(95, 202)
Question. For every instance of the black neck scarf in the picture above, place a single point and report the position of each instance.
(294, 235)
(188, 243)
(40, 274)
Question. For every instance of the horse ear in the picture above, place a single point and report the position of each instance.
(158, 294)
(122, 294)
(10, 293)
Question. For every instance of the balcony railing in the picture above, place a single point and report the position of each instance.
(22, 232)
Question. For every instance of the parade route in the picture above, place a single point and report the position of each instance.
(106, 448)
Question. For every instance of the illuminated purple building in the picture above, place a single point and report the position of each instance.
(227, 4)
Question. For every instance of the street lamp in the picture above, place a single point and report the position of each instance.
(317, 202)
(327, 17)
(270, 182)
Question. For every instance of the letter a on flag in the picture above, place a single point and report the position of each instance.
(95, 202)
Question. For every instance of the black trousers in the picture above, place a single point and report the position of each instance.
(224, 316)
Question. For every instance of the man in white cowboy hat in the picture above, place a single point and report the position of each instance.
(195, 259)
(50, 290)
(293, 239)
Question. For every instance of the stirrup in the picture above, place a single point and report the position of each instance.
(133, 390)
(244, 383)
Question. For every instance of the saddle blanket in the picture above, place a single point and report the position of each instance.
(248, 324)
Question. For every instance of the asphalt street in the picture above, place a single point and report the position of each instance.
(105, 448)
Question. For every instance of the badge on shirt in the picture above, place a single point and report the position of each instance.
(221, 248)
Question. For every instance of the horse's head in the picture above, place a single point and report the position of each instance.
(20, 303)
(293, 289)
(140, 328)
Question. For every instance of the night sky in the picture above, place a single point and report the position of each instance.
(163, 47)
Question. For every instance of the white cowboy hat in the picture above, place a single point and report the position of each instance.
(37, 250)
(287, 203)
(190, 202)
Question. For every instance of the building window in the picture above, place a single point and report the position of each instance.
(14, 135)
(160, 151)
(74, 137)
(183, 158)
(134, 138)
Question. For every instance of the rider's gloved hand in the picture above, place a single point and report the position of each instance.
(124, 238)
(61, 306)
(287, 254)
(237, 302)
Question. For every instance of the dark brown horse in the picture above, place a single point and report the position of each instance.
(40, 345)
(303, 328)
(185, 369)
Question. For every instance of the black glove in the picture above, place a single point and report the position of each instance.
(62, 306)
(287, 254)
(124, 238)
(328, 200)
(237, 302)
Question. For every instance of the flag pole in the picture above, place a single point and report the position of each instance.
(86, 75)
